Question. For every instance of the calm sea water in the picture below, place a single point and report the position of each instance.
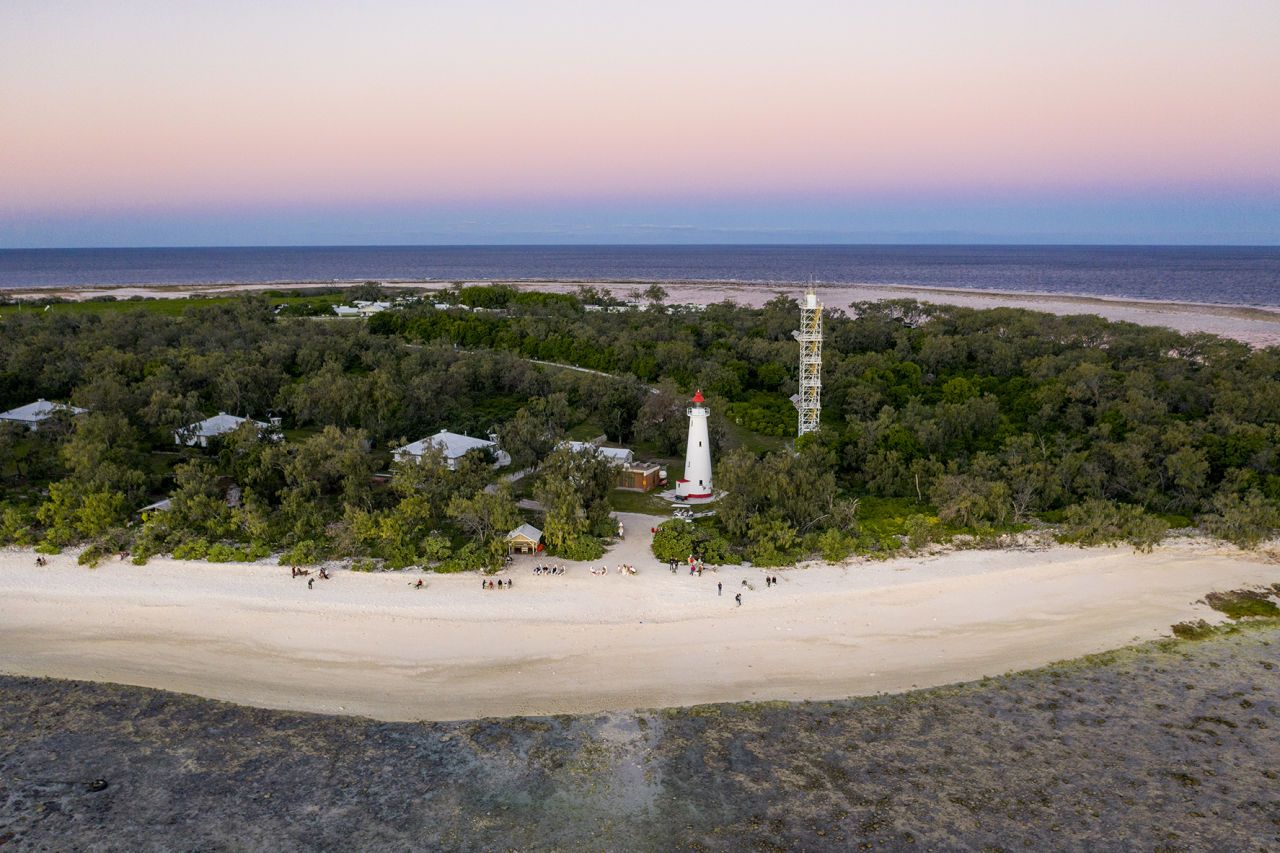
(1228, 275)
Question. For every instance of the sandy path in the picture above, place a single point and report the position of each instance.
(371, 644)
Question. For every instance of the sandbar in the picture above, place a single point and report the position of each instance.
(1258, 326)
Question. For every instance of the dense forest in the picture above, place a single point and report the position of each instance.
(936, 421)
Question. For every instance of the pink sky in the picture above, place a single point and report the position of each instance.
(146, 106)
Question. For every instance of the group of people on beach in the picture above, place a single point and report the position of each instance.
(296, 572)
(502, 584)
(696, 567)
(548, 570)
(623, 569)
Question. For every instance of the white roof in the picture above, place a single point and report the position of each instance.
(38, 411)
(451, 444)
(620, 455)
(526, 530)
(217, 425)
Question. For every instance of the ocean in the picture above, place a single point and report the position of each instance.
(1222, 275)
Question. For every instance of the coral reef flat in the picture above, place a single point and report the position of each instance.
(1168, 745)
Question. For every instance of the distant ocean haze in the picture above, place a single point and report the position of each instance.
(1223, 275)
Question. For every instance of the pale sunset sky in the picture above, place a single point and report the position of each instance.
(146, 123)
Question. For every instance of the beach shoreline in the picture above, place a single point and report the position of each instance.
(372, 644)
(1258, 326)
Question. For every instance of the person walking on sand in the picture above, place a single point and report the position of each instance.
(310, 581)
(738, 598)
(719, 588)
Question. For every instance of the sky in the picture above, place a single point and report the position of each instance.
(140, 123)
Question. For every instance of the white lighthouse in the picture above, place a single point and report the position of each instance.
(696, 482)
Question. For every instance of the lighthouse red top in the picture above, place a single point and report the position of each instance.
(697, 398)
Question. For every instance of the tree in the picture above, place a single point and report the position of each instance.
(662, 421)
(531, 434)
(739, 475)
(573, 488)
(656, 294)
(102, 454)
(487, 515)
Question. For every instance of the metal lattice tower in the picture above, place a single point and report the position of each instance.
(809, 400)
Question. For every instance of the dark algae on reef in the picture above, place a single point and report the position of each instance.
(1171, 746)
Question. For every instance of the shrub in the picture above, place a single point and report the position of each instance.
(192, 549)
(835, 545)
(1099, 522)
(1243, 521)
(308, 552)
(16, 526)
(468, 558)
(92, 555)
(579, 548)
(220, 552)
(773, 542)
(673, 541)
(921, 531)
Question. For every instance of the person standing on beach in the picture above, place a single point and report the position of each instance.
(310, 581)
(719, 588)
(738, 598)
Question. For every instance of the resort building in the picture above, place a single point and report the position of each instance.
(32, 414)
(620, 456)
(361, 309)
(453, 446)
(642, 477)
(198, 434)
(632, 475)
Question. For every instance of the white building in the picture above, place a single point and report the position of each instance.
(361, 309)
(32, 414)
(453, 447)
(619, 456)
(696, 482)
(198, 434)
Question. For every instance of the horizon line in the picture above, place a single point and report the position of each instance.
(657, 245)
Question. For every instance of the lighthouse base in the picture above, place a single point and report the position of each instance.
(677, 497)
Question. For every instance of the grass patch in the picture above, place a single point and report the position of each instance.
(740, 436)
(1243, 603)
(647, 503)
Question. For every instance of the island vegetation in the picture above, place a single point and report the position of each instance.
(938, 422)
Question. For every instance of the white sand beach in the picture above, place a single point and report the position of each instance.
(1256, 326)
(373, 644)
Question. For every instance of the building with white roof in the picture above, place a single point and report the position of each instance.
(620, 456)
(361, 309)
(32, 414)
(453, 446)
(198, 434)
